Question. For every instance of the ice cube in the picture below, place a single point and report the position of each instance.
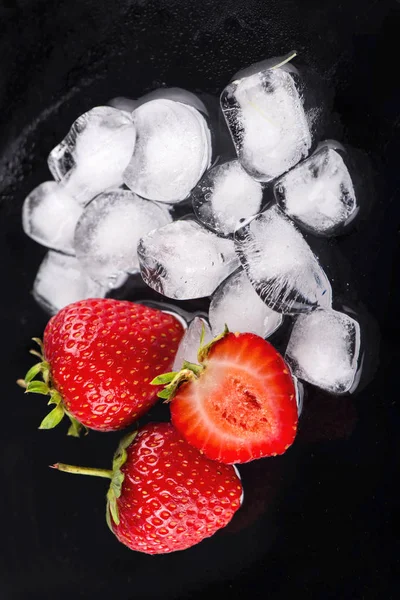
(50, 215)
(94, 154)
(280, 264)
(126, 104)
(190, 342)
(108, 232)
(271, 127)
(177, 95)
(236, 304)
(318, 193)
(225, 195)
(324, 349)
(172, 152)
(61, 281)
(184, 261)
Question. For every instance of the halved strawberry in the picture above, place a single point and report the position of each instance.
(238, 404)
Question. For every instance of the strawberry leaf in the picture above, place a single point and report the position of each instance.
(163, 379)
(33, 371)
(38, 387)
(53, 418)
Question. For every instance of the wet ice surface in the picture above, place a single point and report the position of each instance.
(173, 150)
(324, 349)
(269, 125)
(50, 215)
(318, 193)
(280, 264)
(177, 95)
(236, 304)
(185, 261)
(190, 342)
(61, 281)
(109, 230)
(95, 152)
(224, 195)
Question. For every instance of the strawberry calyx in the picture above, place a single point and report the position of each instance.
(46, 388)
(115, 474)
(189, 372)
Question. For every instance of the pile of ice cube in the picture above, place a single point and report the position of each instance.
(120, 170)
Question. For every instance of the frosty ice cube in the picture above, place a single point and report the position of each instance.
(177, 95)
(236, 304)
(61, 281)
(190, 342)
(94, 154)
(318, 193)
(225, 195)
(126, 104)
(270, 124)
(172, 152)
(50, 215)
(184, 261)
(280, 264)
(324, 349)
(109, 230)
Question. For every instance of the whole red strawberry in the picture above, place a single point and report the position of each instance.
(99, 356)
(238, 404)
(164, 494)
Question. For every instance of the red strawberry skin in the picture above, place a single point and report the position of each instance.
(172, 496)
(242, 406)
(103, 354)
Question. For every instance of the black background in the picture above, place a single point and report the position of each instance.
(319, 522)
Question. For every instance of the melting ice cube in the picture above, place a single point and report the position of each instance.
(50, 215)
(177, 95)
(236, 304)
(225, 195)
(280, 264)
(61, 281)
(324, 349)
(94, 154)
(184, 261)
(268, 120)
(318, 193)
(109, 230)
(190, 343)
(172, 152)
(126, 104)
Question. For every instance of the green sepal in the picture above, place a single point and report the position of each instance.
(204, 350)
(35, 370)
(53, 418)
(163, 379)
(39, 342)
(38, 387)
(170, 390)
(75, 429)
(117, 480)
(195, 368)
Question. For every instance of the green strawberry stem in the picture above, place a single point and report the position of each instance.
(106, 473)
(115, 474)
(45, 387)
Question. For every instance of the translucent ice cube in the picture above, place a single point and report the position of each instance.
(183, 261)
(60, 281)
(172, 152)
(94, 154)
(225, 195)
(236, 304)
(280, 264)
(190, 342)
(324, 349)
(50, 215)
(318, 193)
(126, 104)
(174, 93)
(109, 230)
(267, 118)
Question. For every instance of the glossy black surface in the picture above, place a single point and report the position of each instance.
(319, 522)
